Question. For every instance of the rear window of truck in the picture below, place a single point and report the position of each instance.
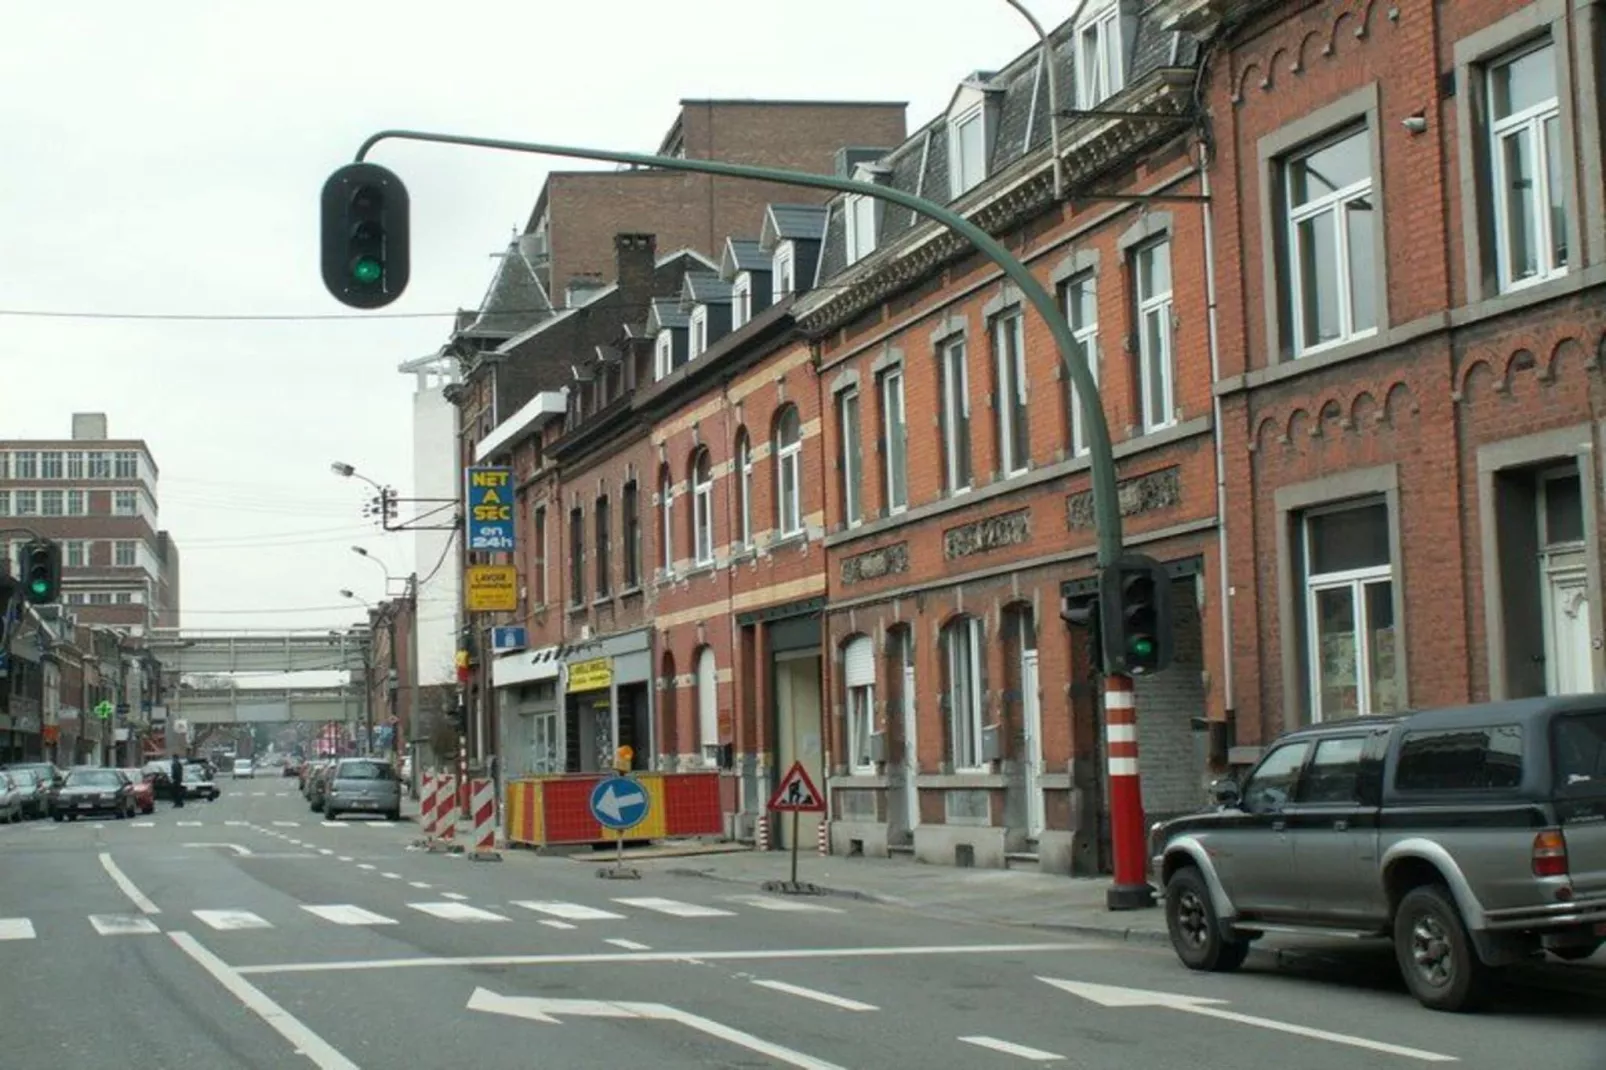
(1579, 753)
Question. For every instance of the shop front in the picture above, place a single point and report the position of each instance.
(530, 724)
(607, 703)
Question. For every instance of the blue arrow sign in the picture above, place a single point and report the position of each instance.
(619, 803)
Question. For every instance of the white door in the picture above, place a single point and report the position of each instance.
(798, 736)
(1032, 723)
(1569, 668)
(911, 748)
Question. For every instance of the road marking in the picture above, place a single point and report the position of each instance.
(122, 924)
(571, 911)
(240, 825)
(418, 884)
(366, 865)
(143, 825)
(391, 876)
(236, 848)
(819, 997)
(325, 851)
(675, 908)
(16, 929)
(344, 858)
(120, 879)
(633, 957)
(767, 902)
(539, 1009)
(554, 923)
(258, 794)
(281, 1021)
(1007, 1048)
(346, 914)
(332, 825)
(188, 824)
(453, 896)
(1112, 996)
(287, 824)
(457, 912)
(628, 945)
(228, 920)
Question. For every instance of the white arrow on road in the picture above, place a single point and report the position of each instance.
(236, 848)
(610, 803)
(1112, 996)
(539, 1009)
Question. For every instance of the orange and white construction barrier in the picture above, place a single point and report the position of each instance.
(761, 832)
(483, 810)
(825, 836)
(446, 809)
(426, 805)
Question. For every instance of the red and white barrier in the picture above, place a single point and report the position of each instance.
(426, 805)
(483, 810)
(761, 832)
(825, 835)
(446, 808)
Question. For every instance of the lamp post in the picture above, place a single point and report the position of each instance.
(367, 673)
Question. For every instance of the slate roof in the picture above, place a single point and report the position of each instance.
(515, 301)
(742, 254)
(666, 312)
(791, 222)
(704, 288)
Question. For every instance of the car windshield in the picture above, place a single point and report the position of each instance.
(195, 769)
(93, 778)
(1580, 749)
(23, 778)
(364, 771)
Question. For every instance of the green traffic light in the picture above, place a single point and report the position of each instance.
(366, 270)
(1143, 647)
(39, 587)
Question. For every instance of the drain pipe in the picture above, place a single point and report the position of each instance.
(1225, 587)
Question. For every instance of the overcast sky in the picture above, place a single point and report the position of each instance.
(165, 157)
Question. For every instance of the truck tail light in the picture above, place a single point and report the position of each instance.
(1550, 854)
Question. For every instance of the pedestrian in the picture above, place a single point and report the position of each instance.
(176, 774)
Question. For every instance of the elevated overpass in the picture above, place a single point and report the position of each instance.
(195, 652)
(266, 705)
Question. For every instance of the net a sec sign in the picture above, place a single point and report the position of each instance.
(488, 509)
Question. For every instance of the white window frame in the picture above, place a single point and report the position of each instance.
(76, 554)
(789, 469)
(99, 463)
(1100, 54)
(5, 503)
(1155, 308)
(75, 464)
(962, 640)
(77, 503)
(707, 676)
(119, 555)
(702, 507)
(956, 405)
(26, 463)
(860, 215)
(1009, 349)
(1085, 332)
(1533, 123)
(119, 497)
(1356, 581)
(27, 502)
(1335, 204)
(51, 503)
(50, 464)
(697, 332)
(744, 488)
(741, 299)
(963, 175)
(126, 464)
(783, 268)
(666, 512)
(664, 353)
(849, 445)
(895, 443)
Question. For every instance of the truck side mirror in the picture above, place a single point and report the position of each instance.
(1225, 792)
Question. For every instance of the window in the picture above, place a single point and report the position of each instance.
(1014, 438)
(858, 665)
(1349, 607)
(540, 556)
(76, 555)
(75, 465)
(664, 353)
(744, 486)
(962, 651)
(894, 441)
(666, 509)
(50, 503)
(702, 508)
(697, 332)
(955, 417)
(5, 503)
(125, 503)
(1334, 775)
(707, 700)
(100, 465)
(27, 502)
(1461, 759)
(851, 460)
(631, 505)
(1530, 207)
(789, 472)
(27, 464)
(967, 151)
(124, 598)
(741, 300)
(76, 505)
(1100, 65)
(781, 279)
(1082, 312)
(1273, 783)
(577, 556)
(1154, 336)
(127, 464)
(604, 549)
(50, 464)
(859, 214)
(1332, 240)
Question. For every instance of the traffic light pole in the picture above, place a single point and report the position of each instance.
(1126, 821)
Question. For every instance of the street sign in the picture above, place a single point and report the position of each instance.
(104, 710)
(508, 637)
(488, 517)
(796, 793)
(492, 588)
(619, 803)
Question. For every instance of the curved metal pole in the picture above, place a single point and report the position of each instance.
(1046, 64)
(1106, 508)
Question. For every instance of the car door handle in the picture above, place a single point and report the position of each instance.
(1341, 825)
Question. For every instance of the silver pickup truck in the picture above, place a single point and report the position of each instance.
(1473, 837)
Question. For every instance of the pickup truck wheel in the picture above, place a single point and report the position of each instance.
(1196, 933)
(1436, 956)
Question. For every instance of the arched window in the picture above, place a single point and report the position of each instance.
(744, 487)
(707, 700)
(666, 509)
(962, 662)
(858, 676)
(702, 507)
(789, 472)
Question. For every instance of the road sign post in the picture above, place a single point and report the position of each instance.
(795, 794)
(619, 803)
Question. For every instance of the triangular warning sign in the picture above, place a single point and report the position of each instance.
(796, 793)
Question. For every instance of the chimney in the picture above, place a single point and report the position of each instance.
(89, 426)
(635, 260)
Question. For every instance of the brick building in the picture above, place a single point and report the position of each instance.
(1411, 255)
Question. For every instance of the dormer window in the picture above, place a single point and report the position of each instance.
(1100, 70)
(784, 283)
(967, 150)
(860, 214)
(697, 332)
(741, 300)
(664, 354)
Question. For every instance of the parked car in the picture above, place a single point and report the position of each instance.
(363, 786)
(34, 793)
(144, 789)
(318, 786)
(10, 800)
(1473, 837)
(198, 782)
(46, 773)
(243, 767)
(88, 790)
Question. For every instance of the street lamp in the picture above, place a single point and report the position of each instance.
(362, 551)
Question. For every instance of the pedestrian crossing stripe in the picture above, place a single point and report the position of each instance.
(16, 929)
(347, 914)
(229, 920)
(675, 908)
(122, 924)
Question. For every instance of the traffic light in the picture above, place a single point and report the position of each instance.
(1135, 607)
(41, 572)
(457, 716)
(364, 235)
(1081, 611)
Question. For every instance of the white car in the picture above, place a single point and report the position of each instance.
(244, 768)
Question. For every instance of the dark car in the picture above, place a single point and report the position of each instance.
(88, 791)
(34, 792)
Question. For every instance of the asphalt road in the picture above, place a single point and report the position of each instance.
(247, 933)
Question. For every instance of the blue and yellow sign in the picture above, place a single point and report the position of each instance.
(488, 519)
